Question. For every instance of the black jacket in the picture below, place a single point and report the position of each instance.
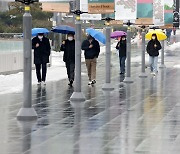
(121, 47)
(151, 50)
(41, 53)
(91, 53)
(69, 51)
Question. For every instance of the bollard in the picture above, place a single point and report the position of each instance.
(128, 61)
(162, 56)
(77, 94)
(27, 112)
(143, 73)
(107, 85)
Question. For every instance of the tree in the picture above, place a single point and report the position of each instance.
(11, 21)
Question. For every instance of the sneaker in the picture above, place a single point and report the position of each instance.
(44, 83)
(70, 83)
(121, 73)
(39, 83)
(90, 82)
(153, 73)
(93, 81)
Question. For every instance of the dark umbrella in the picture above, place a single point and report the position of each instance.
(64, 29)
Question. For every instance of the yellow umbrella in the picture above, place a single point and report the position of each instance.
(160, 35)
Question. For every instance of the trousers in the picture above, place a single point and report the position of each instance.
(38, 72)
(91, 68)
(70, 67)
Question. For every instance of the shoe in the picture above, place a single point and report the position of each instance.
(39, 83)
(93, 81)
(121, 73)
(44, 83)
(70, 83)
(153, 73)
(90, 82)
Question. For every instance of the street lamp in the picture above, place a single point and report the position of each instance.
(27, 112)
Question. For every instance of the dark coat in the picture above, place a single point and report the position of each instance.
(121, 47)
(69, 51)
(41, 53)
(151, 50)
(91, 53)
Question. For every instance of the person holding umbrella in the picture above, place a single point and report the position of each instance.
(92, 50)
(68, 46)
(42, 50)
(121, 47)
(153, 48)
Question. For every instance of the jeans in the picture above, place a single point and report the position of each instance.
(38, 72)
(153, 61)
(122, 64)
(70, 70)
(91, 68)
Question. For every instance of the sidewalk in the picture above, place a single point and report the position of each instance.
(140, 118)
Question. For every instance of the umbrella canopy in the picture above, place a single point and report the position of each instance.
(36, 31)
(99, 36)
(64, 29)
(117, 34)
(160, 35)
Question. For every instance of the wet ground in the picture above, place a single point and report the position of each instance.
(138, 118)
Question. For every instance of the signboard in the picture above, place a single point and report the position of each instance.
(86, 16)
(144, 8)
(116, 22)
(56, 7)
(100, 6)
(176, 14)
(145, 12)
(125, 10)
(158, 12)
(168, 13)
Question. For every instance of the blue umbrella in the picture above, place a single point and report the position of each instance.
(99, 36)
(64, 29)
(36, 31)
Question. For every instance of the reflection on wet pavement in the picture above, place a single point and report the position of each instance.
(138, 118)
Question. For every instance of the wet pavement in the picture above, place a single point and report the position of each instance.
(138, 118)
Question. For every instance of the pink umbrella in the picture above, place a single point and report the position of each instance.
(117, 34)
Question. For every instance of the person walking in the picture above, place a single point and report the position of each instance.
(153, 48)
(121, 47)
(92, 50)
(174, 30)
(42, 51)
(168, 34)
(68, 46)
